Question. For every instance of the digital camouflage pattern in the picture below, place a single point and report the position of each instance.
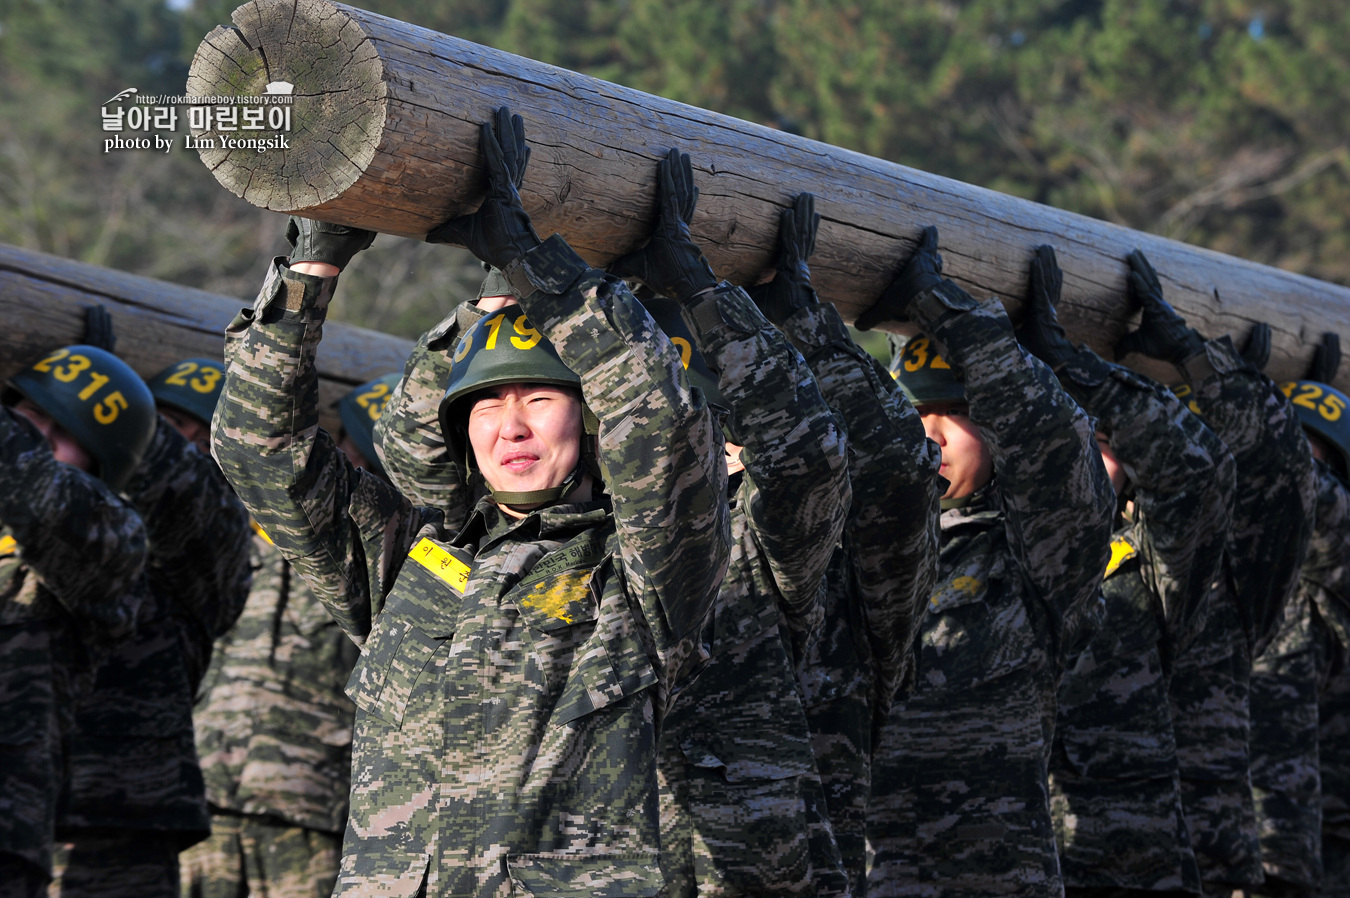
(251, 856)
(879, 578)
(1272, 516)
(513, 672)
(960, 804)
(1325, 581)
(408, 435)
(743, 808)
(133, 763)
(1114, 779)
(1286, 782)
(274, 735)
(70, 554)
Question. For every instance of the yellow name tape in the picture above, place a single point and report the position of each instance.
(441, 563)
(8, 545)
(258, 530)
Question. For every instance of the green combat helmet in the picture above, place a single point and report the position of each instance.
(924, 375)
(1322, 409)
(192, 386)
(96, 396)
(504, 348)
(361, 408)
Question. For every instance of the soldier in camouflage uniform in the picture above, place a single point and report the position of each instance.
(960, 803)
(136, 796)
(881, 575)
(515, 665)
(1114, 779)
(742, 805)
(1272, 514)
(67, 593)
(274, 726)
(1306, 661)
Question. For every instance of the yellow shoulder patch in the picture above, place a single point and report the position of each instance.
(1121, 552)
(258, 530)
(441, 563)
(8, 545)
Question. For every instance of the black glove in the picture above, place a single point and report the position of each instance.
(1256, 351)
(922, 272)
(320, 241)
(1326, 359)
(671, 263)
(1162, 333)
(500, 231)
(790, 288)
(98, 328)
(1041, 333)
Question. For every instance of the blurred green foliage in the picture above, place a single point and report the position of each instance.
(1218, 122)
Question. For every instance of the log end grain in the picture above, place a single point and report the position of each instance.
(338, 109)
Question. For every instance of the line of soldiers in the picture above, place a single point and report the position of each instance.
(673, 590)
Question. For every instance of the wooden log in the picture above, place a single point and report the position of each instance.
(385, 136)
(43, 298)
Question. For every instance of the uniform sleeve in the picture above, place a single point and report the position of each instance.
(199, 537)
(796, 492)
(345, 530)
(891, 536)
(1183, 479)
(1275, 502)
(1057, 499)
(661, 448)
(86, 544)
(408, 436)
(1326, 570)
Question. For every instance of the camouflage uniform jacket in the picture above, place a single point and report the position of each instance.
(960, 803)
(1272, 517)
(133, 762)
(274, 726)
(1289, 776)
(742, 805)
(879, 579)
(71, 554)
(1326, 577)
(1114, 780)
(506, 722)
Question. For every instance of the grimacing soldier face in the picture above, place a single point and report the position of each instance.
(64, 446)
(966, 462)
(525, 436)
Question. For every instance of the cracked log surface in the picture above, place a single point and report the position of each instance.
(385, 136)
(42, 301)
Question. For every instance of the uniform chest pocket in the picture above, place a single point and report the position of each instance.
(418, 614)
(978, 642)
(586, 636)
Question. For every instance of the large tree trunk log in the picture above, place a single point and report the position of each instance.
(385, 136)
(43, 300)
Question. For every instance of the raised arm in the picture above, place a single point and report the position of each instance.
(288, 472)
(86, 544)
(1274, 504)
(199, 533)
(1057, 499)
(891, 532)
(795, 492)
(1181, 473)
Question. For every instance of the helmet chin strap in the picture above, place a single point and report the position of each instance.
(551, 494)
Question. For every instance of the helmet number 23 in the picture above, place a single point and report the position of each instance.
(105, 411)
